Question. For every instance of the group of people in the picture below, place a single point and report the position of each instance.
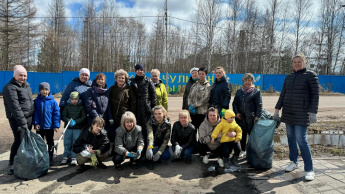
(130, 120)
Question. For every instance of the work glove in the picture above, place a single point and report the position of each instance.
(149, 154)
(98, 153)
(191, 107)
(111, 122)
(72, 123)
(156, 157)
(222, 113)
(132, 154)
(193, 112)
(138, 153)
(178, 150)
(276, 115)
(94, 160)
(312, 118)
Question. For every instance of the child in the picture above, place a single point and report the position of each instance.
(226, 126)
(183, 137)
(93, 144)
(47, 116)
(76, 112)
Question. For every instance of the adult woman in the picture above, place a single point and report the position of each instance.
(128, 142)
(221, 91)
(145, 94)
(122, 99)
(158, 136)
(247, 106)
(300, 100)
(161, 91)
(79, 84)
(97, 101)
(199, 97)
(19, 108)
(191, 81)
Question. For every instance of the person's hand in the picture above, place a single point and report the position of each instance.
(56, 129)
(156, 157)
(231, 134)
(239, 116)
(92, 151)
(220, 134)
(149, 154)
(72, 123)
(111, 122)
(132, 154)
(178, 150)
(276, 115)
(256, 119)
(212, 141)
(236, 140)
(138, 153)
(37, 127)
(312, 118)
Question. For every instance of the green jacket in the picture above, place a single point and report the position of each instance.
(162, 95)
(77, 113)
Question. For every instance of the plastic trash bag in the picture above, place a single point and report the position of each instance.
(260, 144)
(32, 159)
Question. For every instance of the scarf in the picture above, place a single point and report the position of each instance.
(248, 90)
(99, 90)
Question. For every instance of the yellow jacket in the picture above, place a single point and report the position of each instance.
(162, 95)
(224, 126)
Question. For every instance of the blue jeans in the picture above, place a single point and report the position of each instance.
(165, 155)
(297, 134)
(70, 136)
(187, 152)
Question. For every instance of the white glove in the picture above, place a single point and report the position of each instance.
(178, 150)
(312, 118)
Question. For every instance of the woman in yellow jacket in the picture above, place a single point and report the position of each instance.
(161, 91)
(228, 142)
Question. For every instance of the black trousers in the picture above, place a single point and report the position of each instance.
(118, 159)
(202, 149)
(228, 147)
(197, 120)
(49, 135)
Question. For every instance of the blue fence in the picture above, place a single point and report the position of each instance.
(58, 81)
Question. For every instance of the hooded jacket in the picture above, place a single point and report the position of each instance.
(205, 132)
(225, 127)
(220, 93)
(76, 112)
(128, 140)
(186, 93)
(183, 136)
(162, 95)
(199, 96)
(75, 85)
(158, 134)
(47, 112)
(99, 141)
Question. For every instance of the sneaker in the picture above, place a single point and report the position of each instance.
(220, 162)
(243, 154)
(73, 162)
(81, 168)
(64, 160)
(101, 165)
(309, 176)
(150, 165)
(10, 170)
(188, 160)
(233, 160)
(118, 167)
(51, 160)
(291, 167)
(205, 159)
(134, 165)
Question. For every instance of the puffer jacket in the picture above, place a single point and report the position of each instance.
(225, 127)
(99, 141)
(97, 104)
(121, 100)
(47, 112)
(183, 136)
(158, 134)
(162, 95)
(77, 113)
(127, 140)
(299, 97)
(186, 93)
(18, 101)
(145, 94)
(199, 96)
(249, 106)
(74, 85)
(205, 132)
(221, 93)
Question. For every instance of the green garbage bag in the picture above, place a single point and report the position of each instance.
(32, 159)
(260, 144)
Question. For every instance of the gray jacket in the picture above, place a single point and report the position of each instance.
(199, 95)
(205, 132)
(127, 140)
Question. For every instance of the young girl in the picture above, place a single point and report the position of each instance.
(183, 137)
(158, 136)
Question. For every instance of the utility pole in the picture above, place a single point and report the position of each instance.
(166, 45)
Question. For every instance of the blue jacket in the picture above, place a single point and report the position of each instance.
(74, 85)
(221, 93)
(47, 112)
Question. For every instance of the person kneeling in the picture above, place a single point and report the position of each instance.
(129, 141)
(92, 144)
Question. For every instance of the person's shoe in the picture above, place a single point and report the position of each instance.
(291, 167)
(226, 163)
(205, 159)
(74, 162)
(188, 160)
(134, 165)
(220, 162)
(64, 160)
(309, 176)
(81, 168)
(101, 165)
(118, 167)
(233, 160)
(10, 170)
(243, 154)
(51, 160)
(150, 165)
(176, 159)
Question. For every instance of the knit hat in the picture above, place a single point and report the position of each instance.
(84, 70)
(229, 113)
(18, 69)
(193, 69)
(139, 66)
(43, 85)
(74, 95)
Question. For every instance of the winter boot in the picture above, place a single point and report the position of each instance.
(233, 160)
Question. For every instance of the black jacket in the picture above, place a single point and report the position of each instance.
(186, 93)
(18, 101)
(220, 93)
(183, 136)
(249, 106)
(98, 142)
(299, 97)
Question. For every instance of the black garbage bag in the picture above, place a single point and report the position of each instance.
(32, 159)
(260, 144)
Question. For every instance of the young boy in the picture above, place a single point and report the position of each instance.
(47, 116)
(222, 131)
(76, 112)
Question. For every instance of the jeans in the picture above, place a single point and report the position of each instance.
(70, 136)
(186, 152)
(49, 134)
(165, 155)
(298, 135)
(228, 147)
